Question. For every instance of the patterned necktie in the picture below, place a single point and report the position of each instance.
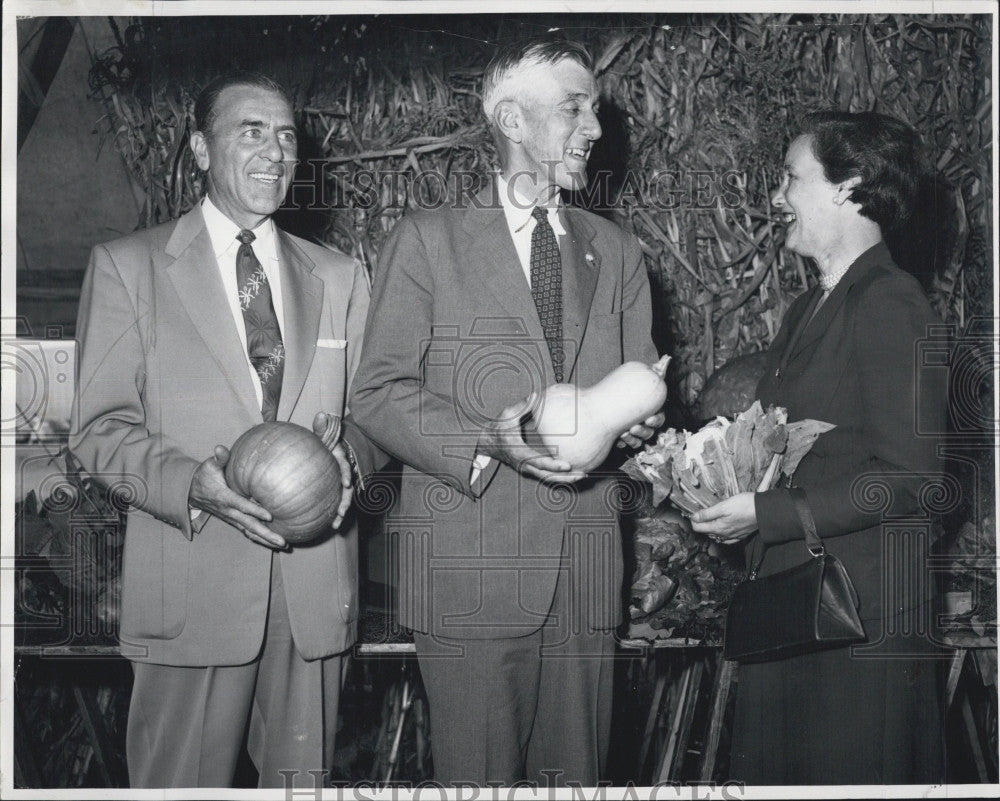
(546, 286)
(264, 346)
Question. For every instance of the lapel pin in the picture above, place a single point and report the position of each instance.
(589, 257)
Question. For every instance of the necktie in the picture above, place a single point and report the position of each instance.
(546, 286)
(264, 346)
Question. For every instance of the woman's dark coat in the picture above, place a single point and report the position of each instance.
(867, 715)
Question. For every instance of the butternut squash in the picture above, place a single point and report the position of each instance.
(581, 425)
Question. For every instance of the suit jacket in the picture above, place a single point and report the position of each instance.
(857, 365)
(163, 378)
(453, 339)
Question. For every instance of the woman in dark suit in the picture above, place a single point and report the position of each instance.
(846, 354)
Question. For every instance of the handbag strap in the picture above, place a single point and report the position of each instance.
(813, 542)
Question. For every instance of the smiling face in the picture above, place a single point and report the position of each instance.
(555, 128)
(807, 202)
(249, 154)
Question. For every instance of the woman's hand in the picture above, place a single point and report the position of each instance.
(729, 521)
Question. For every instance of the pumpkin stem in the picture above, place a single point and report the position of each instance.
(326, 426)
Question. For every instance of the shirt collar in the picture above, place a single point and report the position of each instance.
(222, 231)
(517, 208)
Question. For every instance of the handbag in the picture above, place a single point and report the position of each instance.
(810, 607)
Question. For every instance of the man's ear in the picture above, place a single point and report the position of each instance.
(507, 118)
(844, 189)
(199, 146)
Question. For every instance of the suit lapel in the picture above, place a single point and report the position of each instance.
(493, 258)
(492, 255)
(799, 327)
(302, 294)
(816, 327)
(581, 264)
(192, 268)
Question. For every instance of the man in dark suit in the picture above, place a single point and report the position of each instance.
(191, 333)
(510, 562)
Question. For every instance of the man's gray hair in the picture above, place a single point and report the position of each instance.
(509, 63)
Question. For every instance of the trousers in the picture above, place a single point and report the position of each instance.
(535, 708)
(186, 725)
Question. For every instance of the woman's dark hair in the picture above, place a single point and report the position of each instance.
(885, 152)
(204, 105)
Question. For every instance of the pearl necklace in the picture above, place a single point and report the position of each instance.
(828, 282)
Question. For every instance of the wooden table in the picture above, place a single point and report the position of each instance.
(675, 699)
(976, 653)
(109, 756)
(696, 667)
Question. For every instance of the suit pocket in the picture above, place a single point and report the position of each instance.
(154, 579)
(346, 551)
(607, 321)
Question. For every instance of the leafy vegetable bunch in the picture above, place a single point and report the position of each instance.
(682, 582)
(724, 458)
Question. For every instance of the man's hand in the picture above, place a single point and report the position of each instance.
(729, 521)
(503, 439)
(640, 432)
(327, 428)
(210, 493)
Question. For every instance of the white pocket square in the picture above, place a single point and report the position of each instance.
(331, 343)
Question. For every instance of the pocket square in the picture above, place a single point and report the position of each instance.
(331, 343)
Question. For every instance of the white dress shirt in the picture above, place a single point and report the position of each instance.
(222, 231)
(517, 209)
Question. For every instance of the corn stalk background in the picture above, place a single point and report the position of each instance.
(697, 109)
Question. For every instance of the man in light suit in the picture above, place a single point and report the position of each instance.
(510, 563)
(191, 333)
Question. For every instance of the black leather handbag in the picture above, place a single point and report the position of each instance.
(810, 607)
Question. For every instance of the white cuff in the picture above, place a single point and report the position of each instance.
(480, 463)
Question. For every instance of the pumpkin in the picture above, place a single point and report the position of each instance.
(732, 388)
(290, 472)
(581, 425)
